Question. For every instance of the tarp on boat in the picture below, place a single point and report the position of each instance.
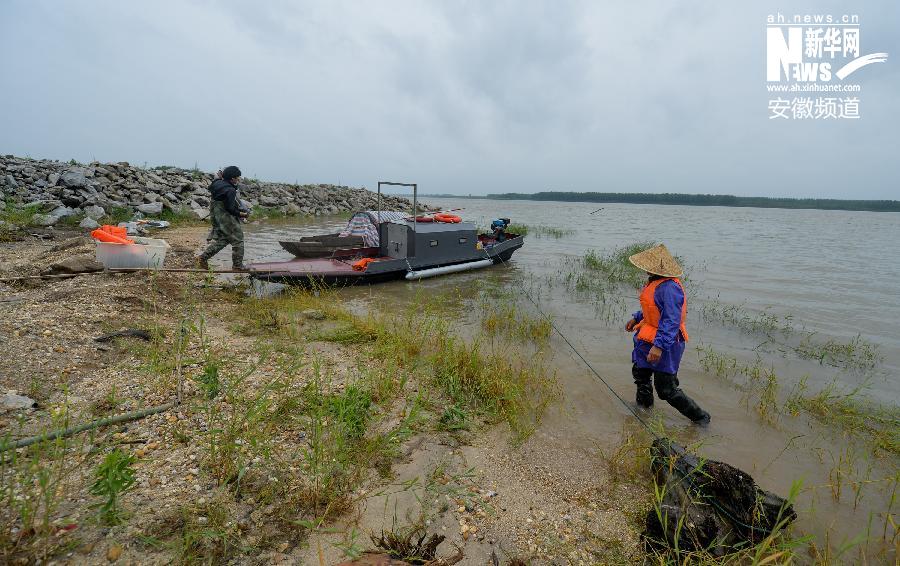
(365, 224)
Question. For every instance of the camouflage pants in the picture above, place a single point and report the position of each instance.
(226, 229)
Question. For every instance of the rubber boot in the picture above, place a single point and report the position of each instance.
(688, 407)
(644, 383)
(668, 390)
(237, 257)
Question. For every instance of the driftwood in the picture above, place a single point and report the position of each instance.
(708, 505)
(130, 332)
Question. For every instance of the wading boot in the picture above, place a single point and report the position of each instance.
(202, 263)
(643, 380)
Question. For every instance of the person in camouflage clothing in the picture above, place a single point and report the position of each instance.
(226, 219)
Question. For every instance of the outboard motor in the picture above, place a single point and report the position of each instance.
(498, 228)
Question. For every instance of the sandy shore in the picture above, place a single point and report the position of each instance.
(234, 474)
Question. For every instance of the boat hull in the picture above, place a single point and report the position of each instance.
(338, 269)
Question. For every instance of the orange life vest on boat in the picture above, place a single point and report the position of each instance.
(648, 327)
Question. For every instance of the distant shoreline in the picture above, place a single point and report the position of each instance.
(693, 200)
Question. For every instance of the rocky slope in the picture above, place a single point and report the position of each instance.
(96, 189)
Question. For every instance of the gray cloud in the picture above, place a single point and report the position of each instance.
(458, 96)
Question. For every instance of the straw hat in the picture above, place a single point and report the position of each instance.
(658, 261)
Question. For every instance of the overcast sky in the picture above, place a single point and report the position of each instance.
(461, 97)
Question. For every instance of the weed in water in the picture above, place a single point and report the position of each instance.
(540, 231)
(847, 409)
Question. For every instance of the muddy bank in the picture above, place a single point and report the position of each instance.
(302, 429)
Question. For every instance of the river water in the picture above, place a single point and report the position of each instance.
(768, 288)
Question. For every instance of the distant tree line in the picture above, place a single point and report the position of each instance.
(708, 200)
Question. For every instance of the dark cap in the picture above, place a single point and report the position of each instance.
(231, 172)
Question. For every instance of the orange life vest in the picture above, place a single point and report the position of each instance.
(650, 324)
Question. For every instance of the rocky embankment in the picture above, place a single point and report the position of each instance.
(95, 190)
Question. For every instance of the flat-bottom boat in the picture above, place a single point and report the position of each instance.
(411, 247)
(321, 246)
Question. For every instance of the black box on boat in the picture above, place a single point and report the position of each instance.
(430, 244)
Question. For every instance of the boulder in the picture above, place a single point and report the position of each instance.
(11, 182)
(151, 208)
(11, 401)
(89, 223)
(76, 264)
(62, 212)
(94, 211)
(75, 177)
(44, 219)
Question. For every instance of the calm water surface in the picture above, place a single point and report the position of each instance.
(834, 275)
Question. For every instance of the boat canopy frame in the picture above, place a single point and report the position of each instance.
(415, 188)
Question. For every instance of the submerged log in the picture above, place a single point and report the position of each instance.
(708, 505)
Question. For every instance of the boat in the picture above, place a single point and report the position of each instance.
(321, 246)
(361, 231)
(411, 247)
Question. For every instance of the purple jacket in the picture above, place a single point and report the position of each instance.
(669, 299)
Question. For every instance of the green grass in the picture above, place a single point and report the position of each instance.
(614, 265)
(540, 231)
(16, 215)
(504, 318)
(847, 410)
(856, 353)
(492, 384)
(112, 478)
(878, 424)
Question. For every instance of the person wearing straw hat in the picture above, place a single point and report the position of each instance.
(660, 334)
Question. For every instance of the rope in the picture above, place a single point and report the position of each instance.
(688, 476)
(582, 358)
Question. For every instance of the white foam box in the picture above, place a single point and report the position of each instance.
(145, 253)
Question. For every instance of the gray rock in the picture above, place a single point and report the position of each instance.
(151, 207)
(201, 213)
(75, 177)
(10, 182)
(313, 314)
(151, 197)
(44, 219)
(62, 212)
(52, 178)
(89, 223)
(11, 401)
(94, 212)
(76, 264)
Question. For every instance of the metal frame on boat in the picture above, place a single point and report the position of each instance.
(410, 249)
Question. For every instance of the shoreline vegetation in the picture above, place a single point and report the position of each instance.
(692, 200)
(297, 411)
